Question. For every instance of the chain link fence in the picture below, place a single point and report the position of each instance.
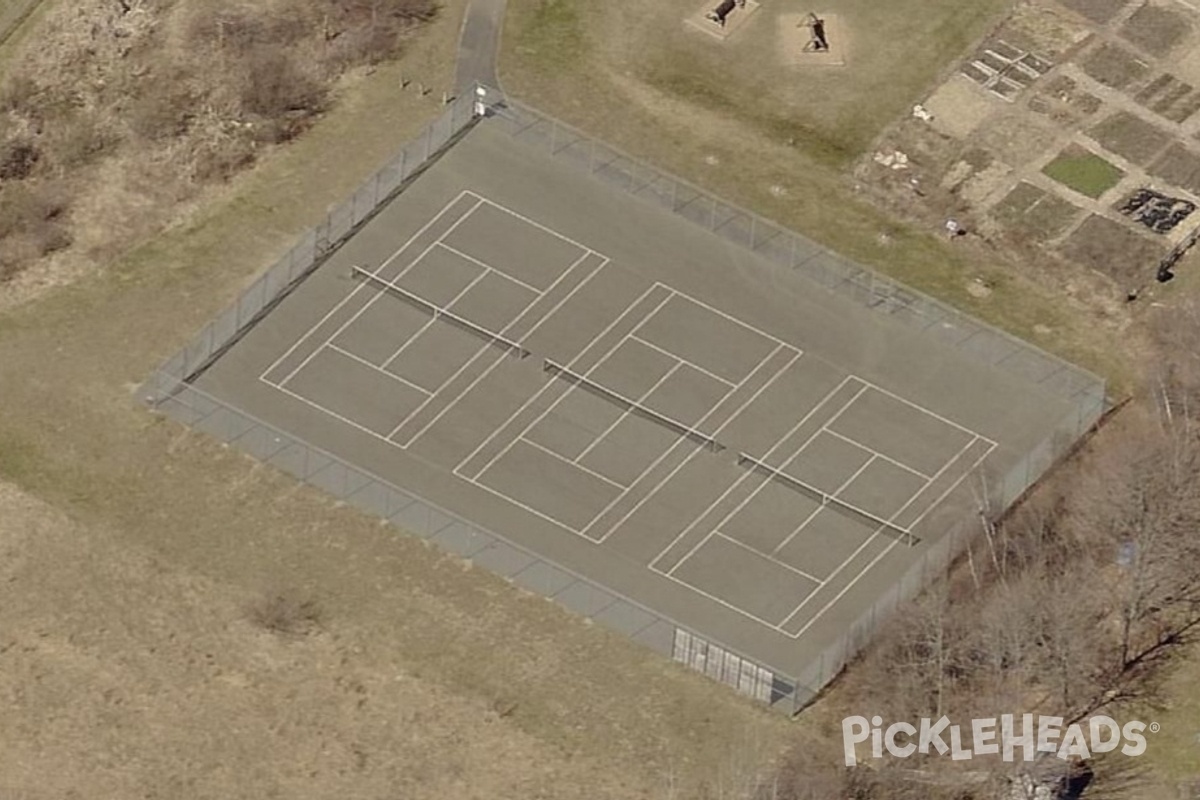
(311, 250)
(171, 390)
(839, 275)
(1084, 391)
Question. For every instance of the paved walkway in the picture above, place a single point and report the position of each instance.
(479, 45)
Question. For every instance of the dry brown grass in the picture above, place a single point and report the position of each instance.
(131, 667)
(285, 613)
(707, 113)
(206, 87)
(32, 224)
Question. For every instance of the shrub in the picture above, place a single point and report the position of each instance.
(275, 86)
(162, 111)
(243, 32)
(23, 208)
(219, 161)
(18, 157)
(370, 31)
(19, 93)
(32, 225)
(283, 614)
(77, 140)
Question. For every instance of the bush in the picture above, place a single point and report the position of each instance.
(276, 86)
(370, 31)
(22, 209)
(32, 224)
(77, 140)
(162, 110)
(243, 32)
(219, 161)
(283, 614)
(18, 157)
(19, 93)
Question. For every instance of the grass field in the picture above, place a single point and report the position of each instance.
(134, 553)
(1085, 172)
(13, 14)
(778, 141)
(897, 50)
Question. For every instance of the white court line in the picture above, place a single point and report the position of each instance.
(544, 388)
(375, 367)
(416, 335)
(877, 454)
(553, 310)
(737, 412)
(524, 506)
(680, 358)
(312, 329)
(745, 475)
(566, 460)
(730, 317)
(838, 491)
(780, 626)
(490, 268)
(535, 224)
(742, 479)
(925, 410)
(804, 524)
(895, 542)
(736, 609)
(340, 418)
(432, 319)
(780, 470)
(375, 298)
(849, 480)
(789, 567)
(671, 449)
(485, 348)
(627, 412)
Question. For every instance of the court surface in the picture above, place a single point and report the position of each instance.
(626, 395)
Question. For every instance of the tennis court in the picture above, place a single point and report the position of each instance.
(629, 397)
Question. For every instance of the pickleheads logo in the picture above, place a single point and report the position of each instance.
(1001, 736)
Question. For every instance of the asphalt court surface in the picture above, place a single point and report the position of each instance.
(631, 398)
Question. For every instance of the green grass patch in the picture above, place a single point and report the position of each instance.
(551, 33)
(1086, 173)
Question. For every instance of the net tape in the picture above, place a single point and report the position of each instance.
(826, 500)
(632, 406)
(438, 312)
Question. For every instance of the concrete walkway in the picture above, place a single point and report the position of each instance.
(479, 45)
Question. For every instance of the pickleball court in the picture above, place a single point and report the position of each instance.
(629, 397)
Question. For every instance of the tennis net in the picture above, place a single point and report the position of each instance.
(632, 406)
(866, 518)
(441, 313)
